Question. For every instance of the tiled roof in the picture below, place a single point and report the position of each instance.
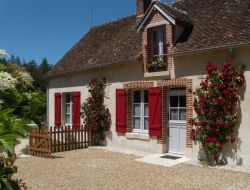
(116, 42)
(216, 23)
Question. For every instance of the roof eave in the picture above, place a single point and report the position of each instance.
(131, 60)
(183, 53)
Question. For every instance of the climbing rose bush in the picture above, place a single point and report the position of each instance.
(215, 105)
(7, 82)
(95, 115)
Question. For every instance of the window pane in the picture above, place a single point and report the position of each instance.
(145, 109)
(68, 119)
(173, 101)
(182, 114)
(137, 96)
(67, 108)
(145, 96)
(145, 123)
(68, 98)
(173, 114)
(137, 123)
(137, 109)
(182, 100)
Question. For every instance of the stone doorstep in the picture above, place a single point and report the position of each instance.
(157, 160)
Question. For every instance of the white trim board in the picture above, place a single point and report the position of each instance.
(155, 6)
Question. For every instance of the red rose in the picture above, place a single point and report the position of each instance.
(220, 100)
(227, 64)
(201, 123)
(221, 86)
(230, 84)
(220, 124)
(211, 67)
(211, 94)
(213, 140)
(211, 122)
(193, 134)
(191, 121)
(226, 92)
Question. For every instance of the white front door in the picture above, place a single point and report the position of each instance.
(177, 121)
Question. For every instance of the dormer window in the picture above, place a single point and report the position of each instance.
(158, 39)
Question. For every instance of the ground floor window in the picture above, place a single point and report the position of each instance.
(140, 111)
(68, 109)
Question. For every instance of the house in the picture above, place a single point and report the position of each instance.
(152, 61)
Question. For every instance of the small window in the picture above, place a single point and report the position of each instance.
(158, 38)
(68, 109)
(177, 108)
(140, 110)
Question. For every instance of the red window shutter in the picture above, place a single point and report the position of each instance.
(58, 108)
(155, 109)
(76, 109)
(121, 110)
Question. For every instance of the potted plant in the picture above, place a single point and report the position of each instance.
(157, 64)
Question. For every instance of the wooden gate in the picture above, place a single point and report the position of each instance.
(43, 142)
(40, 142)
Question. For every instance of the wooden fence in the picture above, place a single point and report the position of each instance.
(45, 141)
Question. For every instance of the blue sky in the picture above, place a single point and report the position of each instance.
(33, 29)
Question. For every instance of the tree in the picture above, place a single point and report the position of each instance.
(43, 69)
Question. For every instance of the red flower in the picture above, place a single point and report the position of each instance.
(211, 94)
(191, 121)
(221, 86)
(211, 122)
(230, 84)
(211, 85)
(211, 67)
(220, 124)
(210, 129)
(220, 100)
(201, 123)
(213, 140)
(227, 64)
(226, 92)
(193, 134)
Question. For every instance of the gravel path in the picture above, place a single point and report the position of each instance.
(98, 169)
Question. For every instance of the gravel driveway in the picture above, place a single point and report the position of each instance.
(98, 169)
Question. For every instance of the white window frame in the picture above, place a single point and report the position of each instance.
(65, 109)
(142, 116)
(177, 93)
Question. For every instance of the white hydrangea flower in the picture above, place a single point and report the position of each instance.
(7, 82)
(25, 77)
(3, 52)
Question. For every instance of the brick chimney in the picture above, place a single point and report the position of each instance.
(142, 6)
